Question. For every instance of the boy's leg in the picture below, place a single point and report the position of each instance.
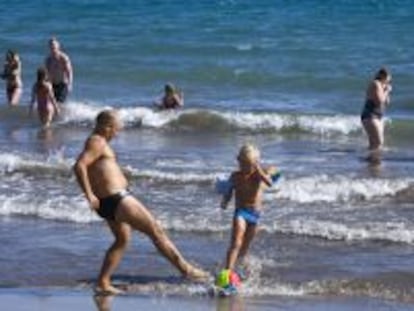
(237, 236)
(249, 235)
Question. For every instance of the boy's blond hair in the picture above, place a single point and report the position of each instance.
(249, 153)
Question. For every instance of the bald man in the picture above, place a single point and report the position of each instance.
(106, 189)
(60, 71)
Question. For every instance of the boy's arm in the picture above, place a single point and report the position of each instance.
(265, 174)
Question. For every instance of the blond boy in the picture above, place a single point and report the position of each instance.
(247, 184)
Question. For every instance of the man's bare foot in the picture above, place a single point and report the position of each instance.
(107, 291)
(196, 274)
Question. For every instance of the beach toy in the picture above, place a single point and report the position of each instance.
(223, 186)
(228, 279)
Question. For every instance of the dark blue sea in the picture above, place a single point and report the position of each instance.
(289, 76)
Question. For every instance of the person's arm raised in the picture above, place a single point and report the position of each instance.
(264, 175)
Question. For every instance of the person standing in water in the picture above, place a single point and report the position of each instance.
(106, 189)
(42, 94)
(60, 70)
(12, 72)
(377, 98)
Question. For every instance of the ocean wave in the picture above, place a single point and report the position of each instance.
(396, 232)
(213, 120)
(54, 164)
(178, 178)
(60, 208)
(75, 209)
(337, 188)
(307, 189)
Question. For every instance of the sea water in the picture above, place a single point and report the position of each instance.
(289, 76)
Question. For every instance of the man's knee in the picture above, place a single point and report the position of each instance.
(122, 241)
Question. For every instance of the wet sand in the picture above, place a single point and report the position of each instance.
(62, 299)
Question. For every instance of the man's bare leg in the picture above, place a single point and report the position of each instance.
(133, 212)
(122, 234)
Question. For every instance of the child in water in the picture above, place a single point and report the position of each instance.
(42, 94)
(248, 184)
(172, 98)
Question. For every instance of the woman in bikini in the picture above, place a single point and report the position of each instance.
(42, 93)
(12, 75)
(376, 100)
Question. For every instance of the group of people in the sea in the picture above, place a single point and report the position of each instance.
(106, 187)
(54, 80)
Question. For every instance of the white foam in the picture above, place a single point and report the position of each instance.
(322, 125)
(328, 188)
(194, 222)
(54, 207)
(78, 112)
(174, 177)
(244, 46)
(11, 162)
(318, 188)
(389, 231)
(8, 162)
(170, 163)
(147, 117)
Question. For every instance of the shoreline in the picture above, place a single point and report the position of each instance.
(63, 298)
